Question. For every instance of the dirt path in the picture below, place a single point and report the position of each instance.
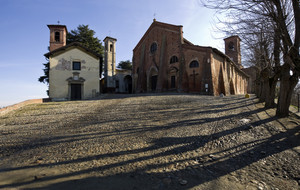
(149, 142)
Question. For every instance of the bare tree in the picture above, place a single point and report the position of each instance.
(257, 21)
(287, 19)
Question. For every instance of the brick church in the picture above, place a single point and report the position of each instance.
(163, 60)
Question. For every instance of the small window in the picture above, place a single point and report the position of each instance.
(194, 64)
(57, 36)
(174, 59)
(153, 47)
(76, 65)
(111, 47)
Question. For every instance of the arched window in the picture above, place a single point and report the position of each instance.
(194, 64)
(231, 46)
(57, 36)
(153, 47)
(174, 59)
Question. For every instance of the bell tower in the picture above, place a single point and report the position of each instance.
(58, 36)
(110, 63)
(233, 49)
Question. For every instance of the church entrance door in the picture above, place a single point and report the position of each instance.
(173, 81)
(194, 82)
(153, 82)
(75, 91)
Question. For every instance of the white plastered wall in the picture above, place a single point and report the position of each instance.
(61, 71)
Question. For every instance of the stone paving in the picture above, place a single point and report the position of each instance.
(149, 141)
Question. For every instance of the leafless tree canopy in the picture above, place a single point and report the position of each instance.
(270, 31)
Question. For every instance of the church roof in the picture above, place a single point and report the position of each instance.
(57, 26)
(74, 44)
(235, 36)
(187, 42)
(108, 37)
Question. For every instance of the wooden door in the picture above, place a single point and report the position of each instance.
(75, 91)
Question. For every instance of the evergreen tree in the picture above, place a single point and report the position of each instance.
(85, 36)
(125, 65)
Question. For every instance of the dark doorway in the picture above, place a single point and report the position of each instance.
(128, 84)
(153, 82)
(75, 91)
(173, 81)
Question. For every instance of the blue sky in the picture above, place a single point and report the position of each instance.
(25, 36)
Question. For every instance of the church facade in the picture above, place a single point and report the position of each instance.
(163, 60)
(75, 71)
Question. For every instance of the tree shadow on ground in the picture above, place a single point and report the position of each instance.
(220, 165)
(206, 167)
(210, 170)
(199, 140)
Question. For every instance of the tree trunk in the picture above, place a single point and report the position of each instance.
(287, 85)
(257, 87)
(270, 103)
(264, 90)
(265, 87)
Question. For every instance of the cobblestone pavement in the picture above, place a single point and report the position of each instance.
(149, 141)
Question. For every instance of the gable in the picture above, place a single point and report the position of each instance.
(75, 53)
(71, 46)
(155, 25)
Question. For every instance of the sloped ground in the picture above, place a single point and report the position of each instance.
(160, 141)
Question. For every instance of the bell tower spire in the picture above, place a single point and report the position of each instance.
(233, 49)
(110, 63)
(58, 36)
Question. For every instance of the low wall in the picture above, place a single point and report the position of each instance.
(21, 104)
